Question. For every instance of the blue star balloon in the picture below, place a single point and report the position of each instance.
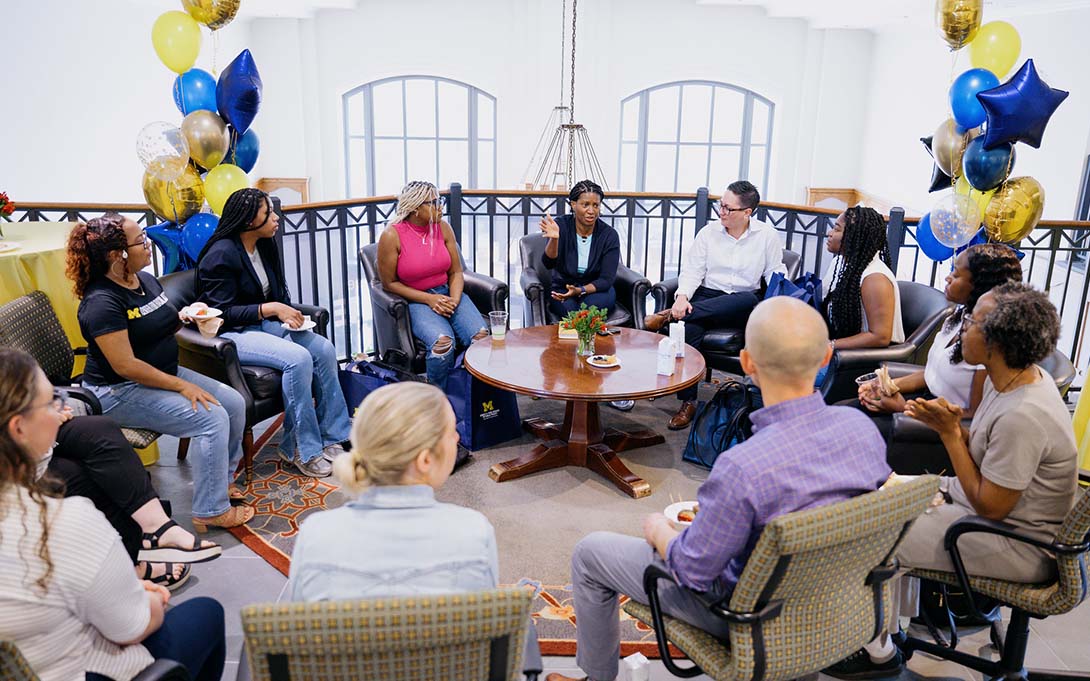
(979, 238)
(167, 237)
(1019, 109)
(238, 93)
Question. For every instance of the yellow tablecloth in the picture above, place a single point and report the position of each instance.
(1080, 421)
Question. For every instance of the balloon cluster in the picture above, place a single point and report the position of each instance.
(207, 157)
(973, 149)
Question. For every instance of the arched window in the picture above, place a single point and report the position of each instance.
(687, 134)
(418, 127)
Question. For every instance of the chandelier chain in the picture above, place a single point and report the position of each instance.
(571, 95)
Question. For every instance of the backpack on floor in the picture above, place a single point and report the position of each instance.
(359, 378)
(722, 422)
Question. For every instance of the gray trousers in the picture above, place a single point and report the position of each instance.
(604, 565)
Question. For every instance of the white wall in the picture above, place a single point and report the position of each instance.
(908, 89)
(81, 79)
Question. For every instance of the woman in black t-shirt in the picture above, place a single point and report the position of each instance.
(132, 362)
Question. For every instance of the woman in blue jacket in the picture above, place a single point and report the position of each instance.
(583, 253)
(239, 272)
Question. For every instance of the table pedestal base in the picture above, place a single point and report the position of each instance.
(580, 441)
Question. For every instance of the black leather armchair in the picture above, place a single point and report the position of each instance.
(915, 448)
(390, 312)
(923, 309)
(536, 281)
(217, 358)
(721, 346)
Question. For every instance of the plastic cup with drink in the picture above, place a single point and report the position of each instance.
(498, 322)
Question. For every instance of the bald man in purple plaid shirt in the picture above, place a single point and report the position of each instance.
(803, 454)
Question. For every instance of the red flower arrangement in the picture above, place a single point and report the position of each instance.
(586, 321)
(6, 206)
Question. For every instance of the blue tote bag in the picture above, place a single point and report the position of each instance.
(486, 415)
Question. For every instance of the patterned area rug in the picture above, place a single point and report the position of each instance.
(283, 499)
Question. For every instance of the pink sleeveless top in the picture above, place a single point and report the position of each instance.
(424, 259)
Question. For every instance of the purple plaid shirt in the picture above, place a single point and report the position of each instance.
(802, 454)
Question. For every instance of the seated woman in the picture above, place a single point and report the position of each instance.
(583, 252)
(239, 273)
(976, 271)
(132, 363)
(93, 459)
(1015, 463)
(404, 442)
(418, 260)
(68, 597)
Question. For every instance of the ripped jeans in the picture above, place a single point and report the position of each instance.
(460, 327)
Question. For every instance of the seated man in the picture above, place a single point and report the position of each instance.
(720, 276)
(802, 454)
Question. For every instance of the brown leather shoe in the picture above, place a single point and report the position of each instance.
(683, 417)
(654, 322)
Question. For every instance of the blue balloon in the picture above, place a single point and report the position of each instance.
(963, 102)
(196, 232)
(167, 237)
(244, 150)
(986, 169)
(1019, 109)
(927, 241)
(195, 90)
(238, 94)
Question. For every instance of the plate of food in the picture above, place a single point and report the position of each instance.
(682, 512)
(604, 361)
(200, 311)
(7, 246)
(307, 325)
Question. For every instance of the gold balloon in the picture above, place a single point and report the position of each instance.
(948, 146)
(958, 20)
(1014, 210)
(208, 138)
(176, 200)
(212, 13)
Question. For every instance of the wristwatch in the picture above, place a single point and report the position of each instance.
(582, 291)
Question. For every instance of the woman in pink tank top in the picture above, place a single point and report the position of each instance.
(418, 260)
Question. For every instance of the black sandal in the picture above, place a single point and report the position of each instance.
(166, 579)
(201, 551)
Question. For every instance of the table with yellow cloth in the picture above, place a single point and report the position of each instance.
(38, 264)
(1080, 421)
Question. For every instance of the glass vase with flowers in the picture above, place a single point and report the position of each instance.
(586, 322)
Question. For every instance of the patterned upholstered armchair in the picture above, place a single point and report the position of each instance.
(30, 324)
(814, 590)
(475, 636)
(1038, 601)
(14, 667)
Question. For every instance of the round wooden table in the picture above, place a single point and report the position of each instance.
(534, 361)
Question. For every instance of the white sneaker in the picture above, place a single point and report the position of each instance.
(317, 467)
(332, 452)
(623, 405)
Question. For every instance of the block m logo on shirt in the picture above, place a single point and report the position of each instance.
(134, 313)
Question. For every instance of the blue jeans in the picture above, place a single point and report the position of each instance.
(216, 433)
(460, 327)
(603, 300)
(193, 634)
(308, 362)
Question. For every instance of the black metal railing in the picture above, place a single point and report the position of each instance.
(320, 242)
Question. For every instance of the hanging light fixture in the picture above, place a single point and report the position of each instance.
(567, 154)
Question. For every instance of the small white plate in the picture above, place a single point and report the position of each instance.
(673, 509)
(6, 246)
(209, 313)
(596, 361)
(307, 326)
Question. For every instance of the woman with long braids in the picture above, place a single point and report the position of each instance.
(68, 596)
(132, 363)
(418, 260)
(239, 272)
(863, 304)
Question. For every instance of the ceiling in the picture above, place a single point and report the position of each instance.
(875, 14)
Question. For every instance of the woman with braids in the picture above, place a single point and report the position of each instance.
(132, 363)
(418, 260)
(863, 306)
(976, 271)
(69, 599)
(1016, 463)
(239, 272)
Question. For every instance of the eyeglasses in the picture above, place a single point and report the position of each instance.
(435, 203)
(143, 241)
(967, 321)
(724, 208)
(58, 404)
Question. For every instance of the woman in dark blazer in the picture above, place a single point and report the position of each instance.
(239, 272)
(583, 253)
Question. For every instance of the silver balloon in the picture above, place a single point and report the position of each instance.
(163, 150)
(208, 138)
(948, 145)
(955, 220)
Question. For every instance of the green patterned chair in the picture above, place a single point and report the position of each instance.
(14, 667)
(814, 590)
(1025, 600)
(475, 636)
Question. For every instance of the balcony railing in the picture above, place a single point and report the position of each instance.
(320, 242)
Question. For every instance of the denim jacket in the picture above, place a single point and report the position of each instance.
(393, 541)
